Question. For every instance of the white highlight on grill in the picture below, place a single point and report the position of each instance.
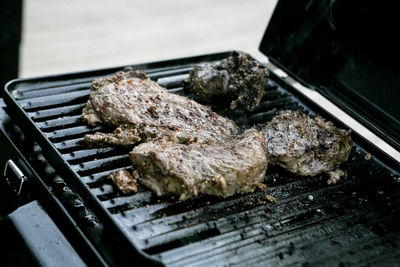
(280, 73)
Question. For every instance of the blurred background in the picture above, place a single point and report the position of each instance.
(63, 36)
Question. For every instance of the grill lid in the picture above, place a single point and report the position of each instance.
(346, 51)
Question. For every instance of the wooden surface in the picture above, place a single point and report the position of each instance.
(63, 36)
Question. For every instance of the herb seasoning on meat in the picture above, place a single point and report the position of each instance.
(238, 81)
(142, 110)
(222, 169)
(306, 146)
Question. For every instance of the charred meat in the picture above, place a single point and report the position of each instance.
(222, 169)
(140, 109)
(238, 81)
(306, 146)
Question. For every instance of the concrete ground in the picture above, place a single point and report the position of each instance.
(64, 36)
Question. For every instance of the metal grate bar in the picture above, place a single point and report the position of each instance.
(132, 201)
(84, 154)
(72, 132)
(99, 176)
(75, 143)
(54, 91)
(95, 165)
(60, 122)
(45, 114)
(156, 74)
(54, 100)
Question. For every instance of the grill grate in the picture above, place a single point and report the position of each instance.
(352, 222)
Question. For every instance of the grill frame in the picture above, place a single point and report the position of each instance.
(62, 166)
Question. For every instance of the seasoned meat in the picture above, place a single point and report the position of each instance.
(90, 115)
(140, 109)
(306, 146)
(238, 81)
(236, 166)
(124, 181)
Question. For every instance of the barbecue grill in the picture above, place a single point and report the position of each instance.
(65, 211)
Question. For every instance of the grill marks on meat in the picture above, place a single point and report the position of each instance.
(222, 169)
(306, 146)
(140, 109)
(237, 80)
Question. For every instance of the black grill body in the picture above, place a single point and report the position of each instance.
(353, 222)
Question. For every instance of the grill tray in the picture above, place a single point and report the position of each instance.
(352, 222)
